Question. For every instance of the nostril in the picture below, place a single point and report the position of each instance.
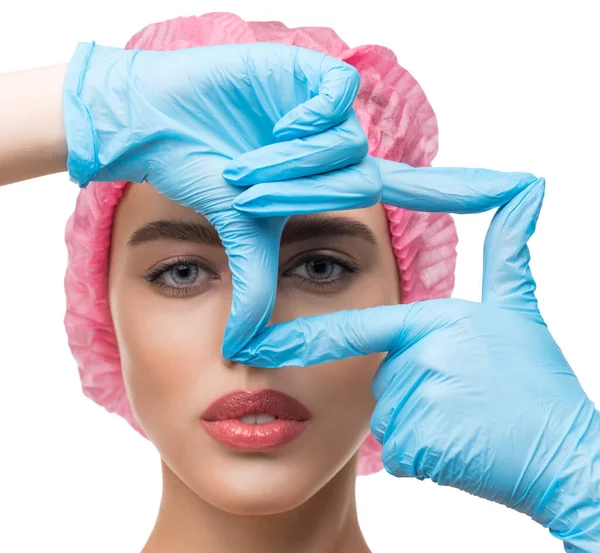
(229, 363)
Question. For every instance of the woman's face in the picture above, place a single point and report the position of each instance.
(170, 297)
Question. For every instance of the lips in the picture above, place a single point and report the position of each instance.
(242, 403)
(220, 420)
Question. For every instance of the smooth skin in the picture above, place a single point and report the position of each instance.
(299, 497)
(32, 133)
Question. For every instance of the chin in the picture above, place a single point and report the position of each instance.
(258, 485)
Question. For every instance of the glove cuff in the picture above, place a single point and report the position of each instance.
(82, 160)
(96, 110)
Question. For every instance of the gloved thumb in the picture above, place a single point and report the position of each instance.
(507, 278)
(253, 251)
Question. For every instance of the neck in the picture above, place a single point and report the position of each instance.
(325, 523)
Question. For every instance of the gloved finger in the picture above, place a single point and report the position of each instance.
(336, 84)
(332, 149)
(507, 278)
(322, 338)
(354, 187)
(430, 189)
(448, 189)
(253, 251)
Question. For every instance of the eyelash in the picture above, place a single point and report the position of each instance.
(349, 269)
(152, 276)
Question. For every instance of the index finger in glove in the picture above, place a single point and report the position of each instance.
(322, 338)
(430, 189)
(449, 189)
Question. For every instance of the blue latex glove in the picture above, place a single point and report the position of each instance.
(177, 118)
(477, 396)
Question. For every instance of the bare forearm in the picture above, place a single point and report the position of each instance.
(32, 136)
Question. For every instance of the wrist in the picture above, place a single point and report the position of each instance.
(55, 140)
(570, 509)
(32, 137)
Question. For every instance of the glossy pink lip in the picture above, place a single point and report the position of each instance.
(220, 419)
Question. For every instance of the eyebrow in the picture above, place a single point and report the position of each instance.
(297, 229)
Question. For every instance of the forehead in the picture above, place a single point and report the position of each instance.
(141, 203)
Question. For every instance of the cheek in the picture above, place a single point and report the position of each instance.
(164, 343)
(343, 390)
(350, 380)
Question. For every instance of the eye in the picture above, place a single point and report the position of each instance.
(322, 270)
(180, 277)
(182, 273)
(319, 269)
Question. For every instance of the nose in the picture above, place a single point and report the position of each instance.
(284, 309)
(229, 363)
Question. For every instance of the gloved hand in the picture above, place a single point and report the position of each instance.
(477, 396)
(177, 118)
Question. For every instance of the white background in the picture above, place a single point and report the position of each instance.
(515, 88)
